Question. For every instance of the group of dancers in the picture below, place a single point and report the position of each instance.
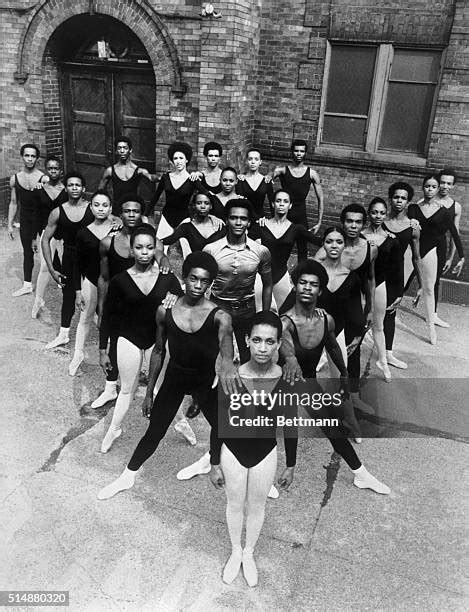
(239, 315)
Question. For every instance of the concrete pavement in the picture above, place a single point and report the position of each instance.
(325, 545)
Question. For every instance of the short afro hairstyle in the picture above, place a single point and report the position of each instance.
(239, 203)
(30, 146)
(377, 200)
(298, 142)
(353, 208)
(144, 229)
(125, 139)
(74, 174)
(310, 266)
(199, 259)
(212, 146)
(131, 197)
(400, 185)
(180, 147)
(266, 317)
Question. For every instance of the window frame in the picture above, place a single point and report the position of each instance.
(376, 111)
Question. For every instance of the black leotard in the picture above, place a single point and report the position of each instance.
(308, 359)
(338, 303)
(281, 248)
(26, 199)
(177, 200)
(69, 229)
(195, 239)
(203, 182)
(129, 313)
(433, 228)
(256, 196)
(404, 237)
(389, 266)
(117, 263)
(262, 440)
(297, 187)
(88, 255)
(44, 206)
(120, 187)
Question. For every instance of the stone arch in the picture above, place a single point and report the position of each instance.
(137, 14)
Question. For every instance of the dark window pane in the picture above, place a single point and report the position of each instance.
(89, 95)
(408, 109)
(412, 65)
(350, 79)
(344, 130)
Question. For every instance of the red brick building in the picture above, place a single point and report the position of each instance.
(377, 88)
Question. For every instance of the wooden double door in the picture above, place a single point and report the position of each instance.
(101, 105)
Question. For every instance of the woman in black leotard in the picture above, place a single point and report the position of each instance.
(279, 235)
(129, 313)
(389, 277)
(407, 232)
(201, 229)
(87, 241)
(248, 464)
(254, 186)
(341, 297)
(228, 181)
(435, 221)
(52, 194)
(178, 189)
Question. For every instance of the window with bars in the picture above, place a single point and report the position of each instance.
(379, 98)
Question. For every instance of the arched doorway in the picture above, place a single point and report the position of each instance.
(107, 89)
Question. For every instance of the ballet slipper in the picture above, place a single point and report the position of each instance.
(395, 362)
(78, 357)
(186, 431)
(273, 493)
(233, 565)
(384, 369)
(109, 439)
(364, 480)
(249, 567)
(37, 307)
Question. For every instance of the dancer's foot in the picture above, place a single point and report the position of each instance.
(233, 565)
(186, 431)
(273, 493)
(432, 333)
(202, 466)
(109, 439)
(358, 440)
(395, 362)
(364, 480)
(76, 362)
(125, 481)
(60, 340)
(24, 290)
(385, 371)
(108, 395)
(249, 567)
(359, 404)
(37, 307)
(440, 322)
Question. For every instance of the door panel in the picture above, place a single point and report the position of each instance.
(135, 118)
(100, 106)
(90, 122)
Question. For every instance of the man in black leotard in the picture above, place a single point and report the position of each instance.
(297, 181)
(66, 220)
(23, 185)
(306, 331)
(125, 176)
(115, 257)
(196, 331)
(447, 181)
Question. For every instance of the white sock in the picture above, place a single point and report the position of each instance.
(125, 481)
(26, 288)
(364, 480)
(62, 338)
(273, 492)
(202, 466)
(249, 567)
(233, 565)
